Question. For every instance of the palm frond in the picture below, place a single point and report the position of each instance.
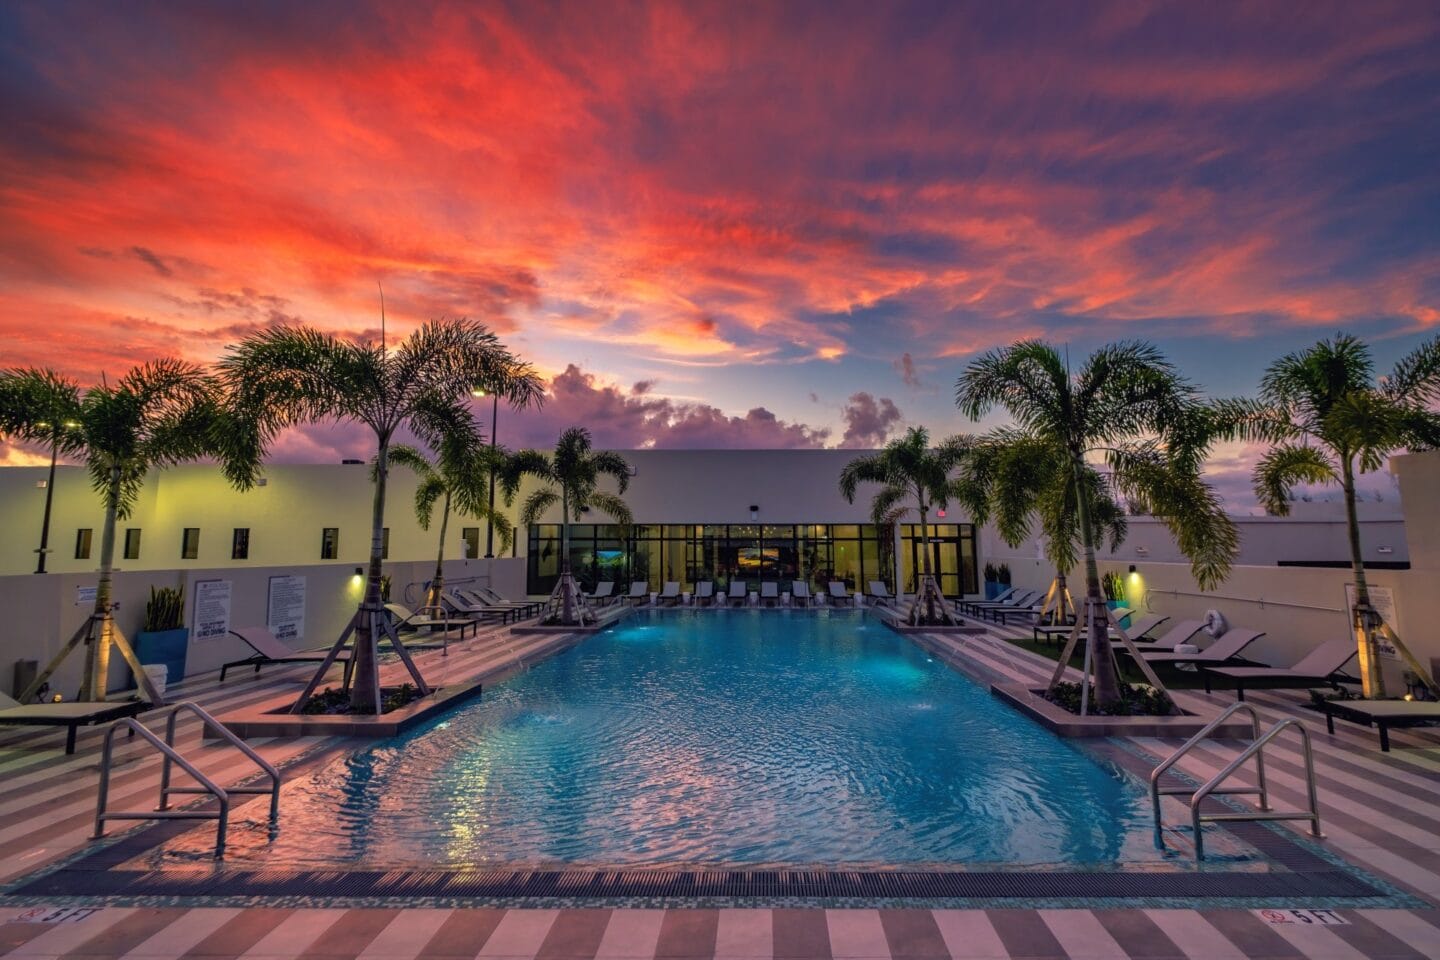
(613, 507)
(536, 505)
(1286, 465)
(1415, 378)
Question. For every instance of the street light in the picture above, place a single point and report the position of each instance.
(490, 517)
(50, 487)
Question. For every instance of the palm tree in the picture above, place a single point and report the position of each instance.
(160, 413)
(42, 407)
(570, 477)
(457, 478)
(1329, 419)
(911, 474)
(1012, 477)
(289, 375)
(1130, 408)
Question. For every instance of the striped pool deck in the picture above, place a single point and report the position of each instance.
(1381, 812)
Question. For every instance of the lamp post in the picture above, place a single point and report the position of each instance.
(489, 519)
(50, 493)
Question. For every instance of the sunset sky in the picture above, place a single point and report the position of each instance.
(727, 224)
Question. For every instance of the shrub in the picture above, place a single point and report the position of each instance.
(166, 609)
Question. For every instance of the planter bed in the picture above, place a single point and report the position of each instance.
(1032, 702)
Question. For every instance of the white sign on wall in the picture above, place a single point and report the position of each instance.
(85, 596)
(1383, 600)
(285, 611)
(212, 610)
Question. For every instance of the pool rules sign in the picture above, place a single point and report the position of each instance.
(212, 609)
(285, 614)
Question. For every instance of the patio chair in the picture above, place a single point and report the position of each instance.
(670, 594)
(800, 593)
(604, 593)
(1320, 666)
(1223, 651)
(704, 593)
(1136, 631)
(269, 649)
(476, 609)
(527, 607)
(879, 594)
(406, 619)
(1181, 631)
(739, 590)
(1010, 598)
(1020, 600)
(972, 606)
(639, 592)
(71, 715)
(840, 593)
(1383, 714)
(769, 590)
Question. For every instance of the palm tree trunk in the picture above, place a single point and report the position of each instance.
(438, 583)
(567, 598)
(97, 657)
(365, 692)
(49, 500)
(925, 562)
(1102, 661)
(1367, 621)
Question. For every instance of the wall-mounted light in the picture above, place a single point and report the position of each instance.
(360, 571)
(1132, 568)
(754, 511)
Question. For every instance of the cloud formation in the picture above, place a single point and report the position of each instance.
(868, 421)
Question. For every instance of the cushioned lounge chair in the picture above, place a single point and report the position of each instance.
(1320, 666)
(1020, 600)
(467, 605)
(879, 594)
(604, 593)
(973, 606)
(1383, 714)
(527, 607)
(639, 592)
(1223, 651)
(839, 593)
(704, 593)
(1054, 633)
(769, 590)
(738, 591)
(270, 649)
(71, 715)
(800, 593)
(671, 593)
(406, 619)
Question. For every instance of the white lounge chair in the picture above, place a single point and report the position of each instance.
(269, 649)
(704, 593)
(879, 594)
(839, 593)
(405, 619)
(671, 593)
(769, 590)
(71, 715)
(639, 592)
(800, 593)
(1321, 666)
(476, 608)
(738, 591)
(527, 607)
(604, 593)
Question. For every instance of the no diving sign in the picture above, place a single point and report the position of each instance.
(1315, 918)
(54, 914)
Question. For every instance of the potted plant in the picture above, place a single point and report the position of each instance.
(164, 638)
(992, 582)
(1114, 586)
(1002, 573)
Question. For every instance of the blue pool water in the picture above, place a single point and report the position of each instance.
(705, 737)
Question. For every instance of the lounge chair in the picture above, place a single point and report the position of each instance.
(1181, 631)
(269, 649)
(604, 593)
(639, 592)
(840, 593)
(704, 593)
(527, 607)
(738, 591)
(800, 593)
(406, 619)
(477, 609)
(71, 715)
(769, 590)
(670, 594)
(1021, 600)
(1223, 651)
(1383, 714)
(1028, 610)
(1320, 666)
(973, 606)
(1136, 631)
(879, 594)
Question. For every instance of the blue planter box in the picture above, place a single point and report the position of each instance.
(992, 589)
(164, 646)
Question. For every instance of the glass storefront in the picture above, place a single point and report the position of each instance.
(688, 553)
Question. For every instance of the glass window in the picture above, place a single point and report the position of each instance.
(330, 543)
(132, 543)
(190, 543)
(471, 536)
(240, 544)
(83, 537)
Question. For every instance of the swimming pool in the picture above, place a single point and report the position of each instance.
(744, 738)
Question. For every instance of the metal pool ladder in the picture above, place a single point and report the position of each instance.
(171, 756)
(1215, 784)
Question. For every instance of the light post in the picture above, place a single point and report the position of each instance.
(490, 517)
(50, 492)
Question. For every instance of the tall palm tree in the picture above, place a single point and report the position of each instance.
(912, 474)
(160, 413)
(569, 476)
(1131, 410)
(42, 407)
(458, 478)
(1329, 419)
(290, 375)
(1012, 477)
